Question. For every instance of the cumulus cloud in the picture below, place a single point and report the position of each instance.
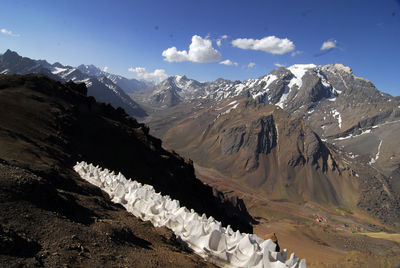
(277, 64)
(219, 40)
(330, 44)
(270, 44)
(200, 50)
(229, 63)
(8, 32)
(251, 64)
(157, 76)
(105, 69)
(173, 55)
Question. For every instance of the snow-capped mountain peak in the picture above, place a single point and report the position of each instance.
(91, 70)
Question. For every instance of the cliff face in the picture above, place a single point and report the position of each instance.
(45, 127)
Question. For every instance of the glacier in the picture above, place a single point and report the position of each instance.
(205, 236)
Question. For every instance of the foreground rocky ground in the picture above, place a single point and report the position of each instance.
(51, 217)
(43, 225)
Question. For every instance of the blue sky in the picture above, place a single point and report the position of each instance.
(181, 37)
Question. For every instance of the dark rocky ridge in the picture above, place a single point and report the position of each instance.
(45, 128)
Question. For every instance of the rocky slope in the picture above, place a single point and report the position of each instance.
(275, 153)
(103, 86)
(52, 217)
(264, 148)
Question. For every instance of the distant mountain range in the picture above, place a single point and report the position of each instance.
(302, 133)
(103, 86)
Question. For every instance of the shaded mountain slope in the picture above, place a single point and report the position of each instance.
(51, 215)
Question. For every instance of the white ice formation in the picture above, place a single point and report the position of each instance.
(205, 236)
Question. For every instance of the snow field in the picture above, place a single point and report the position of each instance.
(205, 236)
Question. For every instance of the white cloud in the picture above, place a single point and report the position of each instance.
(8, 32)
(297, 52)
(270, 44)
(219, 40)
(251, 65)
(277, 64)
(200, 50)
(328, 45)
(229, 63)
(173, 55)
(105, 69)
(157, 76)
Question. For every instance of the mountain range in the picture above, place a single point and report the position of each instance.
(103, 86)
(306, 132)
(335, 123)
(312, 138)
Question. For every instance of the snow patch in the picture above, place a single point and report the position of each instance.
(58, 70)
(239, 88)
(373, 160)
(299, 70)
(229, 104)
(68, 73)
(283, 98)
(205, 236)
(87, 82)
(379, 150)
(268, 80)
(339, 117)
(354, 136)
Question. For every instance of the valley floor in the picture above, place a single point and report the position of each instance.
(325, 237)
